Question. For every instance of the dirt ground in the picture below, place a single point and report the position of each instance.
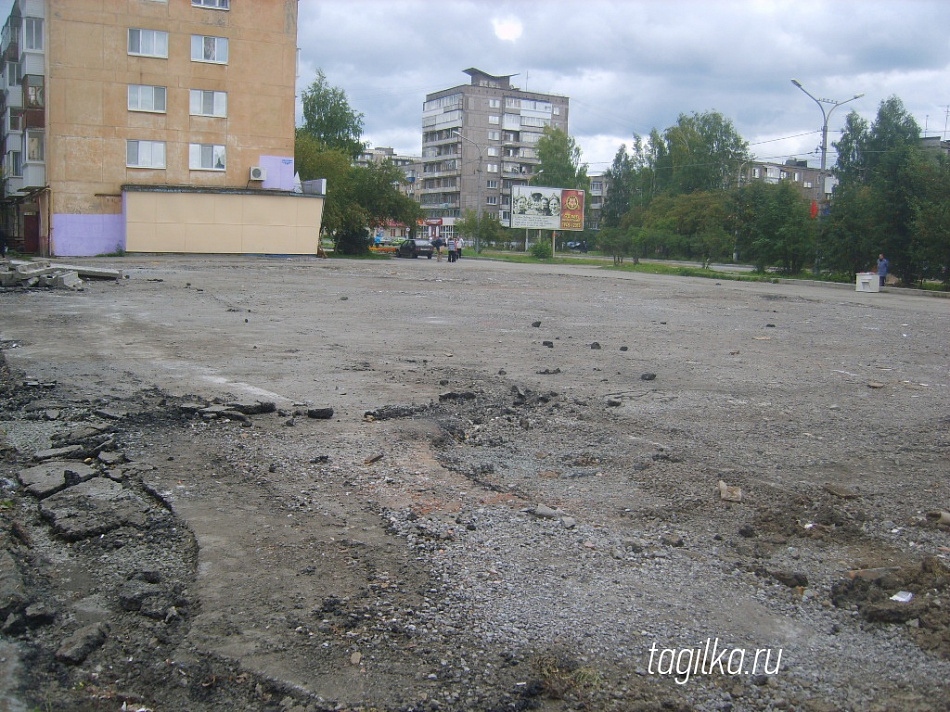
(299, 485)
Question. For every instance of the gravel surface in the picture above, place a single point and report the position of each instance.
(302, 485)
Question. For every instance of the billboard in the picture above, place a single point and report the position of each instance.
(540, 208)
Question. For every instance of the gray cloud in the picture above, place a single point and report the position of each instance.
(633, 66)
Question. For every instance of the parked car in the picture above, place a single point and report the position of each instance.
(415, 248)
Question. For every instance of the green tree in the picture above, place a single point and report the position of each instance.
(616, 242)
(932, 220)
(773, 226)
(848, 238)
(329, 118)
(357, 198)
(560, 160)
(884, 157)
(704, 152)
(492, 231)
(622, 179)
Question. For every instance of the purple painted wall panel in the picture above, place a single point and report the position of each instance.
(280, 172)
(87, 235)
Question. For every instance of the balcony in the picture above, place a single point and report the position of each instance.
(34, 175)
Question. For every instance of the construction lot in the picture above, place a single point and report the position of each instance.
(299, 484)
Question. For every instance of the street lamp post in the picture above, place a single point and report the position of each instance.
(825, 115)
(478, 208)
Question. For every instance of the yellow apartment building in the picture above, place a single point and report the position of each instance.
(152, 126)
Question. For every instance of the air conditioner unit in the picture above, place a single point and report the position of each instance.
(258, 173)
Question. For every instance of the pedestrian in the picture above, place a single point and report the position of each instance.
(3, 242)
(437, 244)
(882, 265)
(451, 249)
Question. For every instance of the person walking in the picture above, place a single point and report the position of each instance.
(882, 266)
(437, 244)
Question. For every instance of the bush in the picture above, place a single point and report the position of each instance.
(542, 250)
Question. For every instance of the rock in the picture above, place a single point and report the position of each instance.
(59, 452)
(790, 579)
(568, 522)
(320, 413)
(545, 512)
(536, 324)
(13, 595)
(647, 376)
(108, 457)
(253, 407)
(51, 477)
(595, 346)
(729, 493)
(839, 491)
(549, 344)
(80, 644)
(93, 507)
(672, 540)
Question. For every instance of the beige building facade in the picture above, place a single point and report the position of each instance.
(110, 105)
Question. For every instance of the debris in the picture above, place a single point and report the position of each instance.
(873, 574)
(940, 517)
(903, 597)
(25, 274)
(729, 493)
(80, 644)
(838, 491)
(875, 384)
(374, 458)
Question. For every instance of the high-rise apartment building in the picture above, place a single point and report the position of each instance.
(152, 126)
(478, 140)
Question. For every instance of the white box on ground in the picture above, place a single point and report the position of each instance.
(867, 282)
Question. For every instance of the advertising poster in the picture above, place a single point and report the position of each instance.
(541, 208)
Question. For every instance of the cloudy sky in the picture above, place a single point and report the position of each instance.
(631, 65)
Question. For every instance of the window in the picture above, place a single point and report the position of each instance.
(15, 162)
(16, 120)
(209, 103)
(35, 146)
(494, 119)
(216, 4)
(33, 33)
(492, 168)
(209, 49)
(494, 135)
(494, 103)
(493, 150)
(33, 91)
(146, 98)
(492, 184)
(148, 43)
(206, 157)
(491, 200)
(145, 154)
(13, 74)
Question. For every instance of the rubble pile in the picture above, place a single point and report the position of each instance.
(28, 275)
